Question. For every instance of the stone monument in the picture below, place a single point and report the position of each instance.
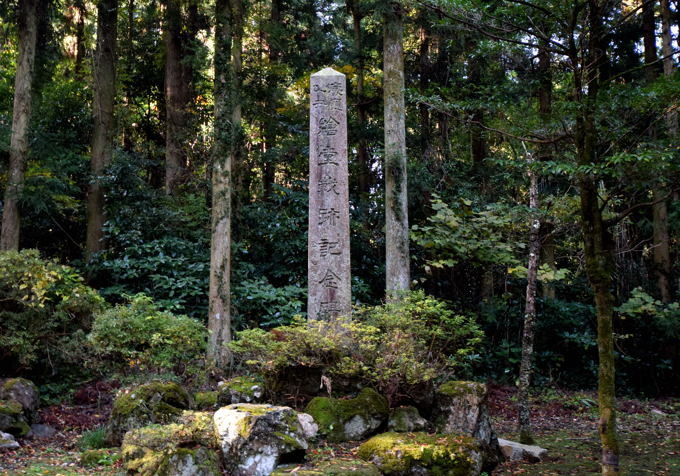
(328, 265)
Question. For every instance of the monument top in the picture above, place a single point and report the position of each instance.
(328, 72)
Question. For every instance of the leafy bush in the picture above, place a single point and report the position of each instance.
(44, 310)
(395, 347)
(139, 337)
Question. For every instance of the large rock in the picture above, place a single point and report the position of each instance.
(242, 389)
(423, 454)
(517, 451)
(154, 402)
(345, 467)
(7, 442)
(461, 408)
(13, 418)
(406, 419)
(185, 448)
(352, 419)
(22, 391)
(255, 438)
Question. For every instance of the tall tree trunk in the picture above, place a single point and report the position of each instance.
(598, 242)
(102, 141)
(525, 370)
(363, 157)
(661, 238)
(80, 38)
(545, 110)
(396, 200)
(21, 116)
(174, 96)
(270, 123)
(228, 135)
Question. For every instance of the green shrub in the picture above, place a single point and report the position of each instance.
(394, 347)
(93, 439)
(45, 310)
(139, 337)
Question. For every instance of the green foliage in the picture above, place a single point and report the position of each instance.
(138, 336)
(461, 233)
(93, 439)
(44, 308)
(394, 347)
(258, 301)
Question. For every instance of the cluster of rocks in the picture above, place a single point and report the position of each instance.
(19, 401)
(165, 431)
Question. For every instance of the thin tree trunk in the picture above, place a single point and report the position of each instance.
(364, 179)
(598, 242)
(228, 133)
(660, 238)
(545, 110)
(102, 141)
(396, 200)
(270, 123)
(174, 98)
(21, 116)
(525, 370)
(81, 8)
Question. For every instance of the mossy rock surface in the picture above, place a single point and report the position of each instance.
(13, 419)
(162, 449)
(22, 391)
(460, 388)
(423, 453)
(350, 419)
(206, 400)
(154, 402)
(331, 468)
(406, 419)
(243, 389)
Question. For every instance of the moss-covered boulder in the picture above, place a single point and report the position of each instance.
(206, 400)
(243, 389)
(13, 419)
(22, 391)
(349, 419)
(151, 403)
(255, 438)
(406, 419)
(19, 400)
(423, 454)
(187, 447)
(345, 467)
(461, 408)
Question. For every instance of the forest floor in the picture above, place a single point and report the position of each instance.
(564, 422)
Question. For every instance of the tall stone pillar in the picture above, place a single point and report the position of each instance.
(328, 266)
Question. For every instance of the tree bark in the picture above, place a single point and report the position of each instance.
(228, 136)
(598, 242)
(525, 370)
(21, 116)
(396, 199)
(660, 237)
(175, 116)
(364, 179)
(102, 141)
(80, 38)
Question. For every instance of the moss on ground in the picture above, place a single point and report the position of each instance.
(205, 400)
